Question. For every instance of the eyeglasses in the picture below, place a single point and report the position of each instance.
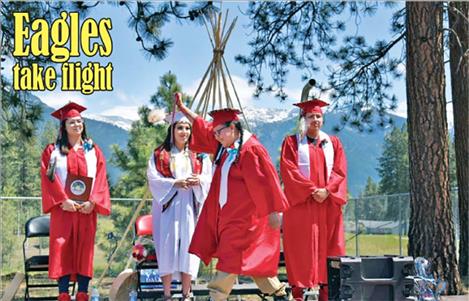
(75, 122)
(218, 132)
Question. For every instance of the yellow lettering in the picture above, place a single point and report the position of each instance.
(40, 39)
(87, 87)
(74, 34)
(105, 25)
(59, 36)
(108, 77)
(16, 76)
(21, 33)
(49, 78)
(89, 29)
(33, 78)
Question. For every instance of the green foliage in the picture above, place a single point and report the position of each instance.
(453, 177)
(146, 18)
(373, 208)
(19, 176)
(143, 139)
(394, 168)
(20, 164)
(304, 35)
(373, 244)
(371, 188)
(394, 162)
(163, 98)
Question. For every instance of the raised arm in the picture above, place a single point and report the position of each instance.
(202, 140)
(183, 108)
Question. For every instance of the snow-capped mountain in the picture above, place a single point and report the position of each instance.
(255, 116)
(272, 125)
(118, 121)
(268, 115)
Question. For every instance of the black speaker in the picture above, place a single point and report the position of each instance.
(373, 278)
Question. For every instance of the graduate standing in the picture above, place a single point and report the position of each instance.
(239, 224)
(72, 224)
(179, 180)
(314, 169)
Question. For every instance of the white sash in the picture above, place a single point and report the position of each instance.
(303, 154)
(61, 165)
(225, 170)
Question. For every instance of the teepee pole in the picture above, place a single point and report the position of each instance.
(214, 89)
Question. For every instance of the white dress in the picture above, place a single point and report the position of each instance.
(174, 214)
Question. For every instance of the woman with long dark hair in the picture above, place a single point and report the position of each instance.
(239, 224)
(179, 180)
(73, 222)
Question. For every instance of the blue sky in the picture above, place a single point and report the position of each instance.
(135, 78)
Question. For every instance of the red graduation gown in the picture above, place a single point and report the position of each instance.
(238, 234)
(312, 231)
(72, 234)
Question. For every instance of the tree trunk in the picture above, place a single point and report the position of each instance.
(459, 66)
(431, 229)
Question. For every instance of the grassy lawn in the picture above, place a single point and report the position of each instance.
(375, 244)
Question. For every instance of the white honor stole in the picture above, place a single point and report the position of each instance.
(225, 169)
(61, 164)
(303, 154)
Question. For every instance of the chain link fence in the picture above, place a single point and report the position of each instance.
(374, 225)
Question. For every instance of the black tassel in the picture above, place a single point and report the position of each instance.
(51, 169)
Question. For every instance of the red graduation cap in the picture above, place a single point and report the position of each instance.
(224, 115)
(310, 106)
(69, 110)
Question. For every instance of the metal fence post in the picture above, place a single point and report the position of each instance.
(399, 200)
(357, 252)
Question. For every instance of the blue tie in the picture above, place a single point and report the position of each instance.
(232, 152)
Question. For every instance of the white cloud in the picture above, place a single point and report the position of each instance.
(127, 99)
(401, 109)
(294, 95)
(129, 112)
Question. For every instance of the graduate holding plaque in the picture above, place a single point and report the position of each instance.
(74, 191)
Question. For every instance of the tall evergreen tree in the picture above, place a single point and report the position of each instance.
(431, 230)
(459, 68)
(371, 188)
(146, 19)
(143, 139)
(163, 98)
(393, 169)
(371, 208)
(133, 160)
(394, 162)
(299, 33)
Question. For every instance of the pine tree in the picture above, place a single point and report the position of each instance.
(431, 229)
(394, 162)
(459, 68)
(298, 34)
(393, 168)
(371, 208)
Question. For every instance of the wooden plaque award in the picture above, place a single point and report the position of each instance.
(78, 188)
